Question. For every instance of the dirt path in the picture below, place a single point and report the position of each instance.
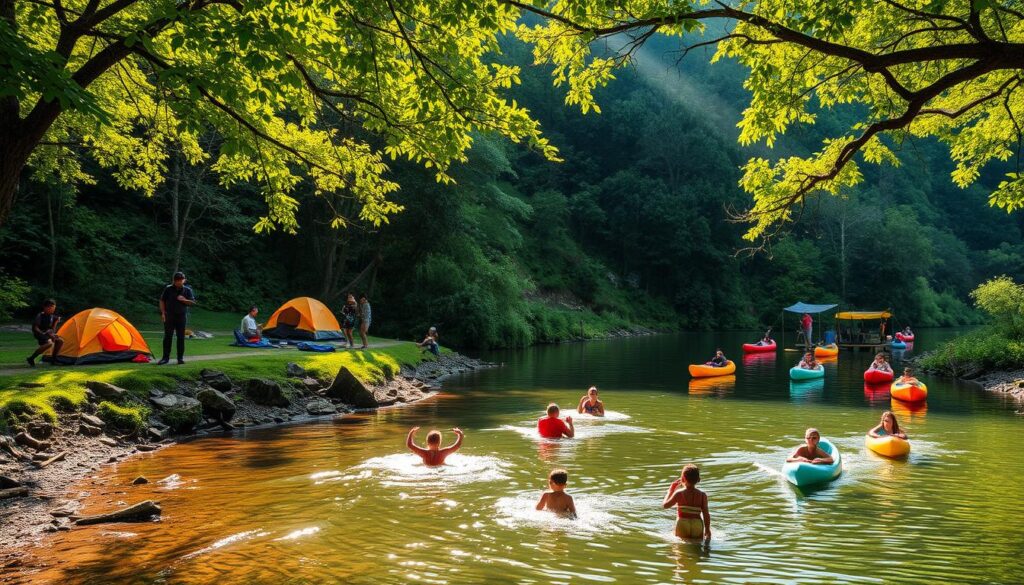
(200, 358)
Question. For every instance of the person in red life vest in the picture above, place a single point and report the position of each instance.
(807, 323)
(552, 427)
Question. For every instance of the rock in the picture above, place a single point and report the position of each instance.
(8, 482)
(106, 391)
(41, 456)
(165, 400)
(108, 441)
(320, 406)
(216, 380)
(26, 440)
(350, 390)
(113, 459)
(311, 384)
(139, 480)
(294, 370)
(89, 430)
(63, 511)
(265, 392)
(42, 430)
(216, 404)
(146, 447)
(156, 434)
(278, 420)
(183, 413)
(90, 397)
(155, 393)
(92, 420)
(139, 512)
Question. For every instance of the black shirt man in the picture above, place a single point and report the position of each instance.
(174, 304)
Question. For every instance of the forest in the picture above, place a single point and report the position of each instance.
(632, 228)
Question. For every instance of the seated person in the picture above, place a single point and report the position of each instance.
(880, 364)
(811, 452)
(433, 455)
(555, 499)
(429, 342)
(907, 331)
(552, 427)
(251, 330)
(590, 404)
(908, 378)
(809, 363)
(44, 329)
(888, 427)
(719, 361)
(767, 339)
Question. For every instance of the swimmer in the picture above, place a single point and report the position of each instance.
(888, 427)
(433, 455)
(552, 427)
(555, 499)
(908, 378)
(811, 452)
(693, 519)
(590, 404)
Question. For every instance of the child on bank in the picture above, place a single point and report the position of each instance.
(555, 499)
(692, 517)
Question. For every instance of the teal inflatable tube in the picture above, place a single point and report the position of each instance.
(801, 474)
(798, 373)
(899, 345)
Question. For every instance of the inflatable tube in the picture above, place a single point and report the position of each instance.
(877, 376)
(798, 373)
(899, 336)
(826, 351)
(800, 473)
(908, 338)
(755, 348)
(888, 446)
(899, 345)
(908, 392)
(704, 371)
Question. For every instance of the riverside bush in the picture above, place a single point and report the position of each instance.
(123, 418)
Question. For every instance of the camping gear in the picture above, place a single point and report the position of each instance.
(322, 347)
(241, 341)
(99, 336)
(303, 318)
(908, 392)
(798, 373)
(706, 371)
(755, 348)
(888, 446)
(801, 473)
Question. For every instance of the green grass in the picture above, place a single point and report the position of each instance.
(63, 387)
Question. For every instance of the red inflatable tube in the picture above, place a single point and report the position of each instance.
(877, 376)
(754, 348)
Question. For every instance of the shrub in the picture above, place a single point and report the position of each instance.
(123, 418)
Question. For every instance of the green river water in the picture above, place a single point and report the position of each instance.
(340, 501)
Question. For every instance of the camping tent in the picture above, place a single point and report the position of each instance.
(303, 318)
(97, 336)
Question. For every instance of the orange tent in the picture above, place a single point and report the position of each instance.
(98, 336)
(303, 318)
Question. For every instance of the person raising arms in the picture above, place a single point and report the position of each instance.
(433, 455)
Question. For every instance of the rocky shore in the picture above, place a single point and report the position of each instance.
(39, 461)
(1010, 383)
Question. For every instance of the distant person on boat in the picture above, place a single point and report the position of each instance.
(767, 339)
(555, 499)
(590, 404)
(888, 427)
(433, 455)
(908, 378)
(692, 517)
(552, 427)
(719, 361)
(429, 342)
(907, 332)
(251, 330)
(807, 323)
(44, 329)
(811, 452)
(809, 362)
(880, 364)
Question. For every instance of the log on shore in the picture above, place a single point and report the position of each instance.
(136, 513)
(16, 492)
(58, 457)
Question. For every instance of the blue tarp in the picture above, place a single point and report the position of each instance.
(806, 308)
(306, 346)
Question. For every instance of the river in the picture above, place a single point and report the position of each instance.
(341, 500)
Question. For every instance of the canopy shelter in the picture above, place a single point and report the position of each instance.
(862, 315)
(855, 334)
(303, 318)
(801, 308)
(98, 336)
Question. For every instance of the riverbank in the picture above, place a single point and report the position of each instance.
(42, 456)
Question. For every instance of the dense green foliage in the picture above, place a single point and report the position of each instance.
(630, 230)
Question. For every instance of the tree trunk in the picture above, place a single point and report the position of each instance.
(53, 238)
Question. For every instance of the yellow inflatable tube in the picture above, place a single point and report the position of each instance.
(888, 446)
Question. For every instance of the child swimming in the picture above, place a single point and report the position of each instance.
(590, 404)
(552, 427)
(888, 427)
(555, 499)
(692, 517)
(811, 452)
(433, 455)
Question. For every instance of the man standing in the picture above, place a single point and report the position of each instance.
(44, 329)
(365, 314)
(174, 304)
(807, 324)
(251, 330)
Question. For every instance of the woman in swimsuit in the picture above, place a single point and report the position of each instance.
(888, 427)
(692, 517)
(590, 404)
